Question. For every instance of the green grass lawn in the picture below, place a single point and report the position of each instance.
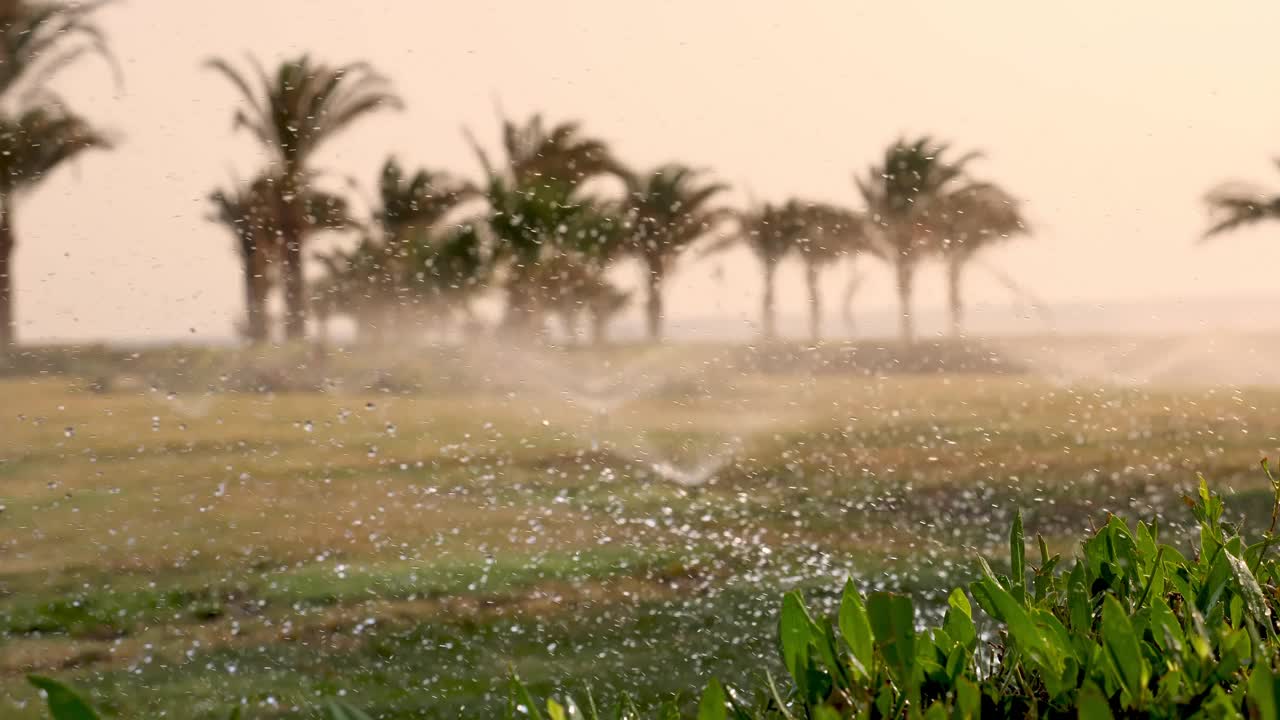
(172, 551)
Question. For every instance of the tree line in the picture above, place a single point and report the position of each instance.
(554, 213)
(552, 216)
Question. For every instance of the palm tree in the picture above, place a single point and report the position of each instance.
(292, 115)
(829, 233)
(594, 241)
(772, 232)
(534, 197)
(898, 194)
(37, 40)
(410, 209)
(444, 274)
(31, 146)
(252, 213)
(246, 211)
(409, 265)
(963, 222)
(669, 210)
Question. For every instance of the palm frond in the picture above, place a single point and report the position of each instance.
(1235, 206)
(38, 141)
(670, 209)
(304, 104)
(39, 39)
(899, 194)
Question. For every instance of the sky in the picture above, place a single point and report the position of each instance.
(1110, 121)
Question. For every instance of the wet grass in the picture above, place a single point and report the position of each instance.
(169, 550)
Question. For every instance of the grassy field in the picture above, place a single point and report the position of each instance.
(173, 546)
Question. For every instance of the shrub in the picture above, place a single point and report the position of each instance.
(1136, 627)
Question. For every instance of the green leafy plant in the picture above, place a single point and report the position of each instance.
(1136, 627)
(1140, 625)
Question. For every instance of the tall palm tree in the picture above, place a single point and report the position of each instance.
(37, 133)
(669, 209)
(31, 146)
(898, 193)
(246, 212)
(829, 233)
(593, 242)
(772, 232)
(535, 195)
(252, 213)
(292, 114)
(963, 222)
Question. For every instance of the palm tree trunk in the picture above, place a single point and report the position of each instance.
(653, 301)
(290, 207)
(255, 286)
(368, 327)
(768, 319)
(255, 310)
(518, 317)
(850, 289)
(955, 265)
(905, 271)
(295, 289)
(569, 323)
(599, 328)
(8, 327)
(322, 329)
(811, 277)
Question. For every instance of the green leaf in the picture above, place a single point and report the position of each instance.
(1024, 632)
(1164, 627)
(1121, 644)
(1096, 553)
(1018, 558)
(1198, 635)
(856, 629)
(893, 624)
(968, 700)
(1124, 550)
(63, 702)
(958, 623)
(959, 602)
(520, 694)
(1079, 601)
(937, 711)
(825, 712)
(1254, 602)
(1264, 693)
(555, 710)
(793, 635)
(1215, 583)
(1146, 540)
(823, 637)
(335, 710)
(1092, 704)
(714, 702)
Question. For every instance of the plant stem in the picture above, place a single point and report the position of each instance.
(1275, 513)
